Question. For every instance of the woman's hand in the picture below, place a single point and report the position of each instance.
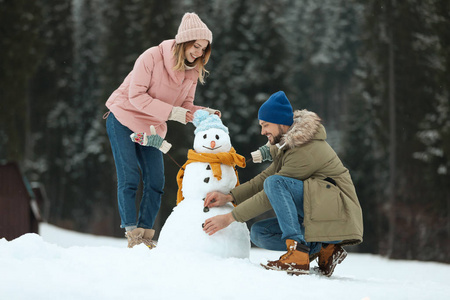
(152, 140)
(214, 224)
(214, 199)
(189, 116)
(213, 111)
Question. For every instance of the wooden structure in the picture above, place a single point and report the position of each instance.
(19, 205)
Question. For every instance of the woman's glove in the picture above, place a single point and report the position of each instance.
(178, 114)
(262, 154)
(152, 140)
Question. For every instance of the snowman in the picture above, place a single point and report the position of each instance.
(210, 167)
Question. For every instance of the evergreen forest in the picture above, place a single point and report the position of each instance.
(376, 71)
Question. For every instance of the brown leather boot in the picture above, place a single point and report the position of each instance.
(294, 262)
(329, 256)
(140, 235)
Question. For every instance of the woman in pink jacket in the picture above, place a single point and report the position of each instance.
(160, 87)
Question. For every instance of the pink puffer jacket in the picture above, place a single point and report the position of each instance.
(148, 94)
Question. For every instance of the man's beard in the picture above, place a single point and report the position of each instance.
(277, 139)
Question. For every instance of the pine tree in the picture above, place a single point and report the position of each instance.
(414, 192)
(20, 52)
(50, 99)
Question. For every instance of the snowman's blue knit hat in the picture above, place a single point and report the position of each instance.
(277, 109)
(204, 121)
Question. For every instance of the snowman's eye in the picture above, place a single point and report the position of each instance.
(205, 136)
(217, 136)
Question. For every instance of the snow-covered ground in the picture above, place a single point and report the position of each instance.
(61, 264)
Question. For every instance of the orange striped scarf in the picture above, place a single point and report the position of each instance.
(230, 158)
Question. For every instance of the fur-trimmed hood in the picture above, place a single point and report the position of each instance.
(307, 126)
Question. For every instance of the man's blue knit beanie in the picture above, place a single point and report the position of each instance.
(277, 109)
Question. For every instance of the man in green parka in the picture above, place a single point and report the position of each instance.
(311, 192)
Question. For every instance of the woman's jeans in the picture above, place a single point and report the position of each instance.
(131, 159)
(286, 197)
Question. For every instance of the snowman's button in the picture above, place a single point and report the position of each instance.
(208, 167)
(206, 179)
(206, 209)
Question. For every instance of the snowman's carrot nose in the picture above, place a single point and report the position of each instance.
(213, 144)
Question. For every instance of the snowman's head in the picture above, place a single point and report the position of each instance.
(212, 141)
(211, 136)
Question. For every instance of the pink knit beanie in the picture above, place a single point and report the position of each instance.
(191, 29)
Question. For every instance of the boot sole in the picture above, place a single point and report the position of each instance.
(297, 273)
(290, 272)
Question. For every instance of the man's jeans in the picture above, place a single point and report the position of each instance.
(131, 159)
(286, 197)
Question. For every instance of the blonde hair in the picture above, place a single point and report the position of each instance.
(180, 65)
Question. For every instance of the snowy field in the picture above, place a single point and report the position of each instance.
(61, 264)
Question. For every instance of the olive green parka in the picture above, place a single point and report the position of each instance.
(331, 209)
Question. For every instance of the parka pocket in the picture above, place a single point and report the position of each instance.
(325, 201)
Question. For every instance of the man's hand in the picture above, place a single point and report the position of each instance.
(214, 224)
(217, 199)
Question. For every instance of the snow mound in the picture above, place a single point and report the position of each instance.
(31, 267)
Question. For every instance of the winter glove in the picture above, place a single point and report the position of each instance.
(212, 111)
(178, 114)
(152, 140)
(262, 154)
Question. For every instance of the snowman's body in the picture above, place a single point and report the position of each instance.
(199, 180)
(183, 229)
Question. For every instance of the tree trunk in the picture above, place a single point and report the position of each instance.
(392, 132)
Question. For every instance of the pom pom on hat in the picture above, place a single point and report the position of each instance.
(204, 121)
(191, 29)
(277, 109)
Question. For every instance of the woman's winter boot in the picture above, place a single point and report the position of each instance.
(140, 235)
(147, 238)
